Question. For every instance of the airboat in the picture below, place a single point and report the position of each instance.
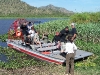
(49, 51)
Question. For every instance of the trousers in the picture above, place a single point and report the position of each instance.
(70, 63)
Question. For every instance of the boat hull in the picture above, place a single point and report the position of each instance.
(35, 54)
(52, 57)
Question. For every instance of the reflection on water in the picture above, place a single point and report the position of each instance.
(3, 57)
(3, 44)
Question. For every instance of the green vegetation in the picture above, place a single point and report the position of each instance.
(86, 17)
(88, 27)
(89, 32)
(17, 59)
(52, 27)
(87, 39)
(3, 37)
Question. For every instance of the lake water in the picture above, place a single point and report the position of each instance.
(5, 24)
(3, 58)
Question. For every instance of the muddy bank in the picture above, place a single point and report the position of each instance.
(37, 70)
(34, 70)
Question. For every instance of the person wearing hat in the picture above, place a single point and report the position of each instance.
(73, 31)
(70, 49)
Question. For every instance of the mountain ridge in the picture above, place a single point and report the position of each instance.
(21, 8)
(60, 9)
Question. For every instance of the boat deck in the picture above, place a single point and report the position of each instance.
(53, 54)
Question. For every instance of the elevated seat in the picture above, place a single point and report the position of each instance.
(47, 48)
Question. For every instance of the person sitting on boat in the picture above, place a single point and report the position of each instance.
(45, 37)
(32, 33)
(30, 24)
(24, 30)
(36, 39)
(56, 39)
(28, 41)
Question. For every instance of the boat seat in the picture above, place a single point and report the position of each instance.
(48, 44)
(45, 44)
(47, 48)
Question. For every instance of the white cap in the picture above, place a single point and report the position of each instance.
(18, 27)
(73, 24)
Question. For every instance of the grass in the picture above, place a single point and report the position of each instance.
(49, 69)
(89, 66)
(18, 67)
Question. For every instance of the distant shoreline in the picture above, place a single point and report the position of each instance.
(28, 17)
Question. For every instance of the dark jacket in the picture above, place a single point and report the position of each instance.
(73, 31)
(63, 34)
(56, 38)
(24, 29)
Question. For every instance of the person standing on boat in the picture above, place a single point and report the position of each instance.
(70, 48)
(64, 33)
(73, 31)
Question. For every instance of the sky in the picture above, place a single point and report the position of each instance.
(72, 5)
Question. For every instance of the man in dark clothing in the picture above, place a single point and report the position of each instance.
(56, 37)
(63, 34)
(73, 31)
(24, 28)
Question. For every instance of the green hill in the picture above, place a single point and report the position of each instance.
(18, 8)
